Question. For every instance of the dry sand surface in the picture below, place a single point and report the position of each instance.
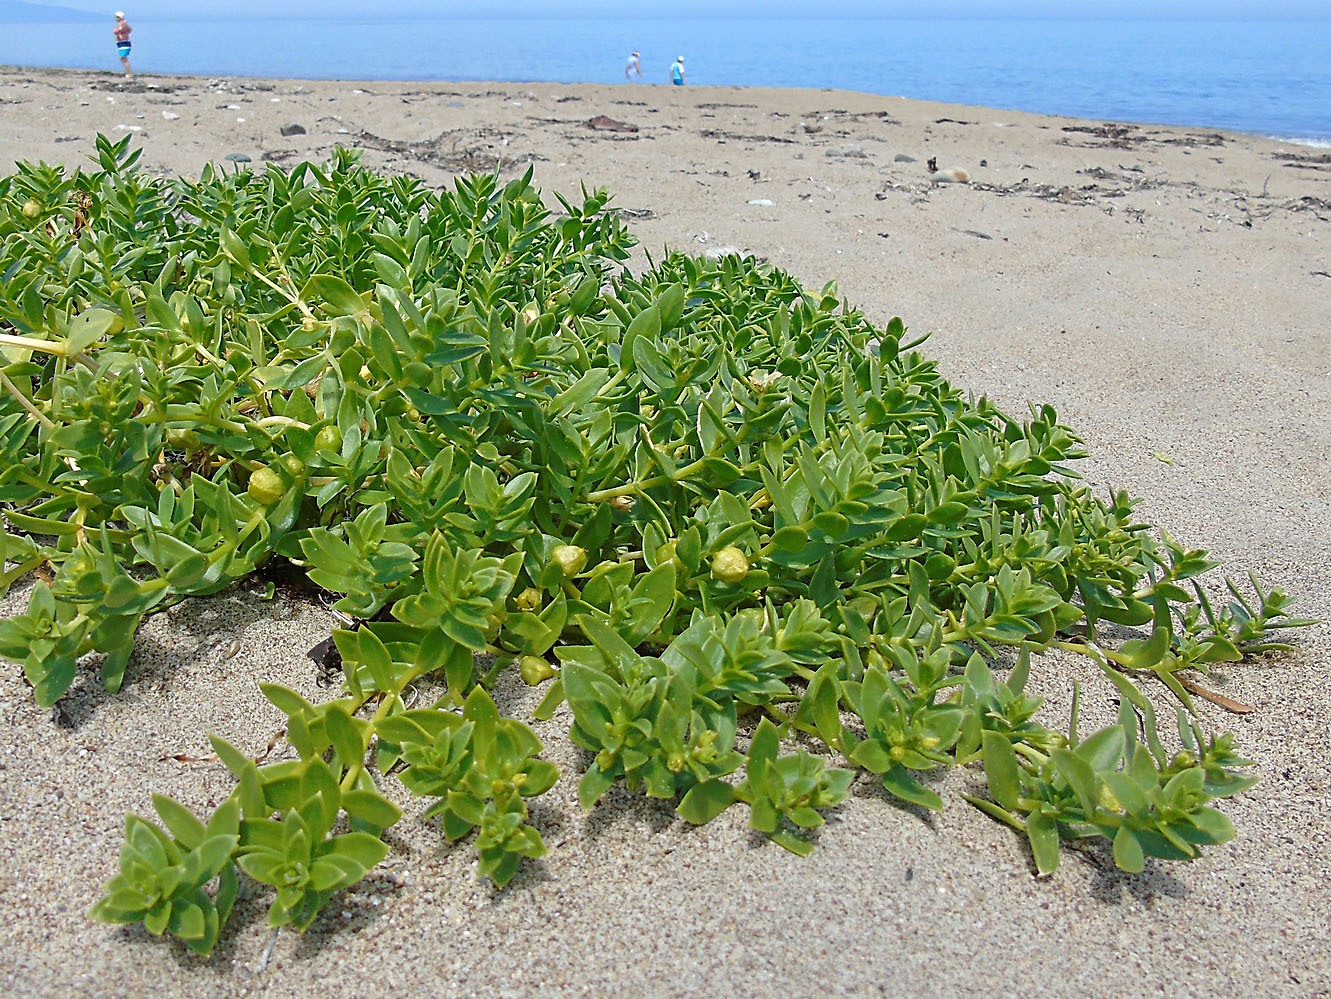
(1167, 289)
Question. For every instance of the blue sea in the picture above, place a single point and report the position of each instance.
(1265, 77)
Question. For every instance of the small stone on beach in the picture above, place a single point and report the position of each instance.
(849, 152)
(605, 123)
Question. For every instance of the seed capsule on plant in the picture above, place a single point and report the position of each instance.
(32, 208)
(265, 486)
(570, 559)
(623, 503)
(534, 670)
(309, 324)
(730, 565)
(328, 439)
(529, 599)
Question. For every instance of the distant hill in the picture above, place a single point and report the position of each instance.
(17, 12)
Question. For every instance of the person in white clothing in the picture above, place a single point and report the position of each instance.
(632, 67)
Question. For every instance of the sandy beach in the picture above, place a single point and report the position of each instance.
(1168, 290)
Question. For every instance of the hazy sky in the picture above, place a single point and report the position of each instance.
(1208, 9)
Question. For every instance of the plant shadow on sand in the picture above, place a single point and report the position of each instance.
(151, 665)
(248, 910)
(870, 786)
(620, 804)
(200, 634)
(349, 912)
(1112, 886)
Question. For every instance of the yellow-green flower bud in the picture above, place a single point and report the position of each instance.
(730, 565)
(1108, 800)
(605, 759)
(182, 439)
(529, 599)
(666, 553)
(758, 617)
(534, 670)
(32, 208)
(293, 465)
(570, 559)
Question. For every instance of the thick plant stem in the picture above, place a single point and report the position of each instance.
(633, 488)
(354, 772)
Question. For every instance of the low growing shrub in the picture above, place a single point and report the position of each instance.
(714, 512)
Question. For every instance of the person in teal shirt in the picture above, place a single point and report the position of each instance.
(677, 71)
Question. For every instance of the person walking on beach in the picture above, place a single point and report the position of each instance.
(121, 31)
(631, 67)
(677, 71)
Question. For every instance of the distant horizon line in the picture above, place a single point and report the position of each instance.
(557, 16)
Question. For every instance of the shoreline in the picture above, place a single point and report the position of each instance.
(1299, 136)
(1166, 289)
(1314, 141)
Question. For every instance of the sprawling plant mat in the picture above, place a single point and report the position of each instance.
(745, 534)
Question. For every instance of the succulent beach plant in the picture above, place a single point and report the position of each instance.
(712, 511)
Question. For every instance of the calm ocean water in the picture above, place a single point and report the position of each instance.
(1266, 77)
